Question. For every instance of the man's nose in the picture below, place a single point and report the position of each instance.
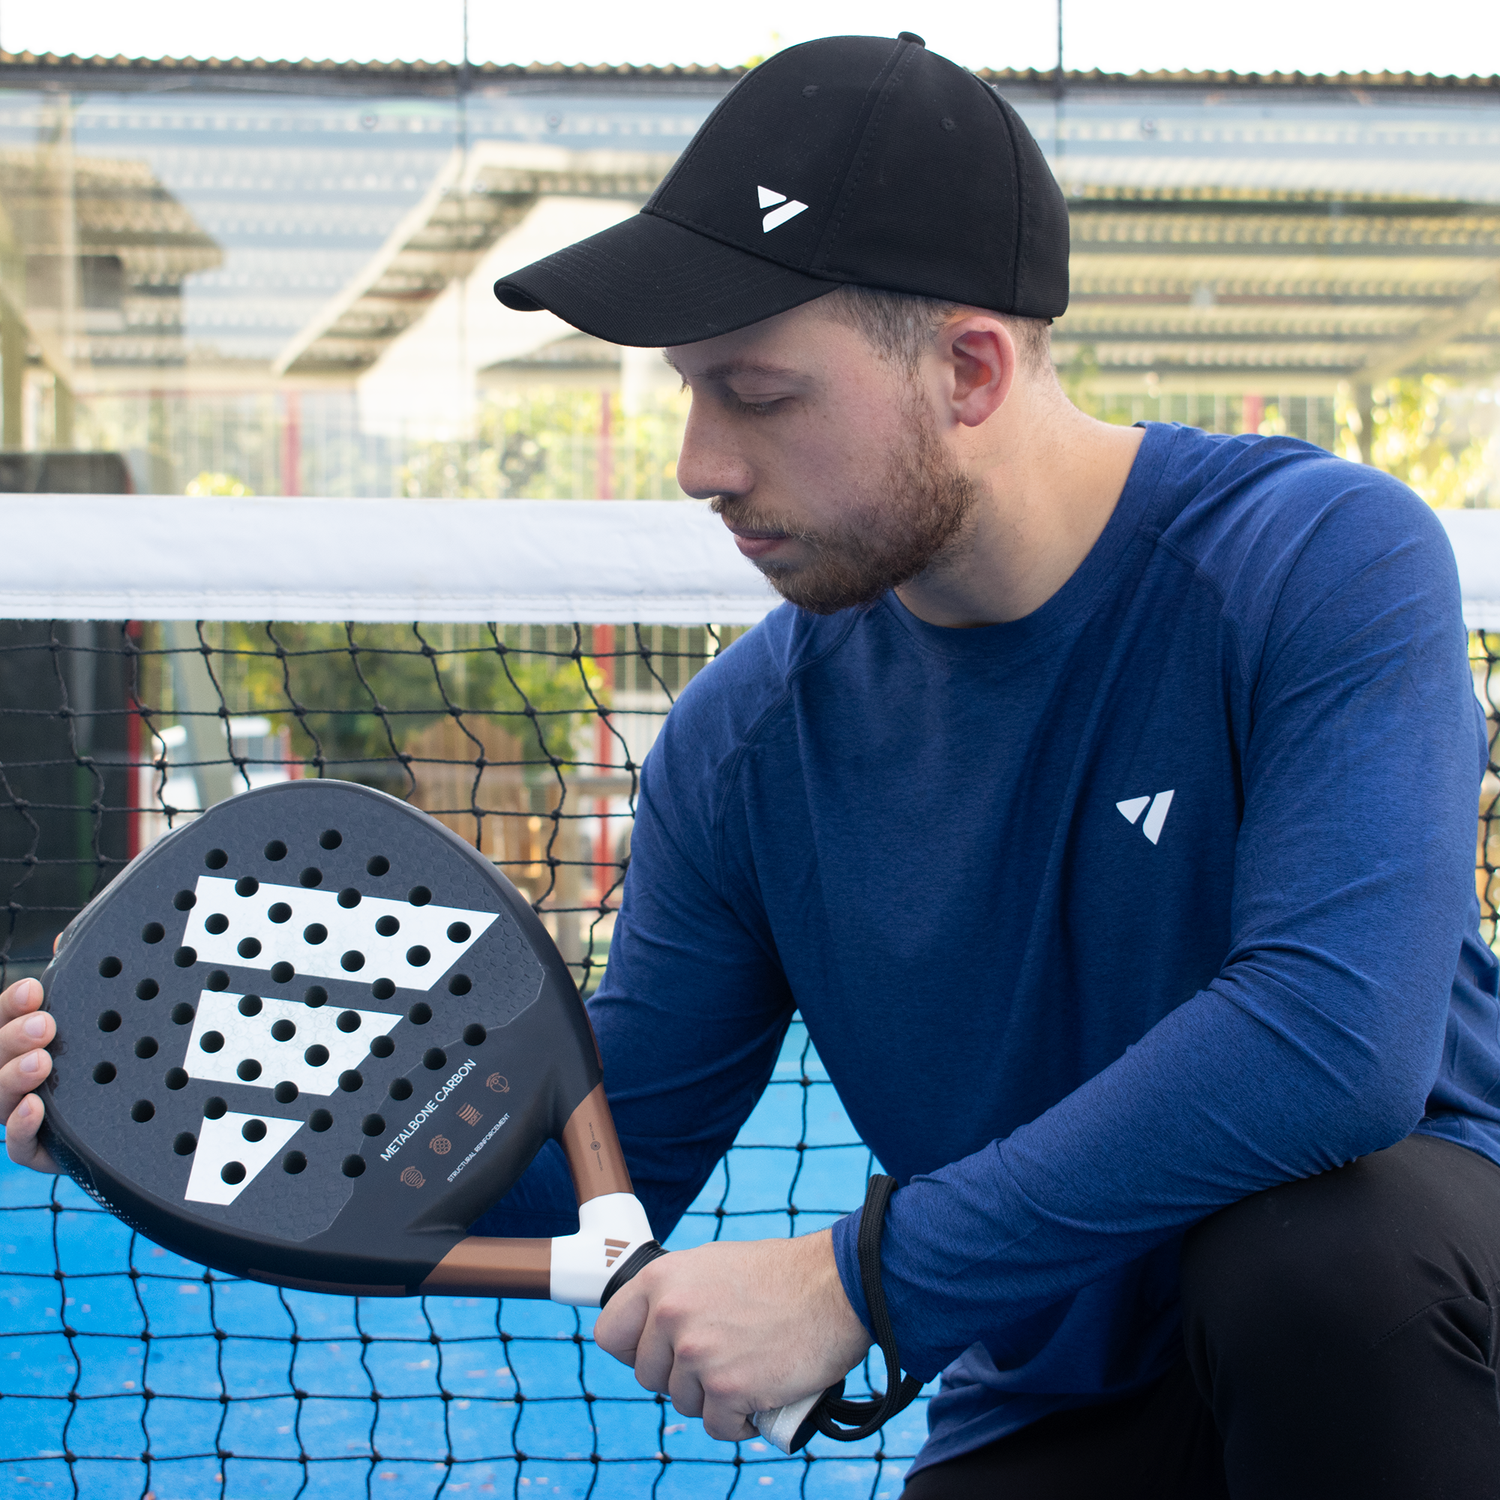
(710, 463)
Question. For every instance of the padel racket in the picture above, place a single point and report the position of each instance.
(311, 1036)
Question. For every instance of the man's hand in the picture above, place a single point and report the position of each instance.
(25, 1032)
(734, 1328)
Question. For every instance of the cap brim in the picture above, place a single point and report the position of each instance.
(648, 282)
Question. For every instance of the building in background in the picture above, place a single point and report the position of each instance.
(280, 273)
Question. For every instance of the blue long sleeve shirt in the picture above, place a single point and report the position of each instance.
(1100, 919)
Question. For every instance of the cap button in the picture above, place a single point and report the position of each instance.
(912, 37)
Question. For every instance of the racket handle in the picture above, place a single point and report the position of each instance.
(789, 1427)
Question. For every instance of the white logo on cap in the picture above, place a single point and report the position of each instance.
(789, 209)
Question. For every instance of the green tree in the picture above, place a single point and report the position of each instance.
(1429, 433)
(355, 695)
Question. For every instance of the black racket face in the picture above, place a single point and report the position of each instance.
(310, 1036)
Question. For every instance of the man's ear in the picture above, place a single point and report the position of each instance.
(983, 359)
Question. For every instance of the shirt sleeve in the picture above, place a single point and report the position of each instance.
(693, 1005)
(1321, 1035)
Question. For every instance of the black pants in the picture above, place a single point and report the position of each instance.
(1340, 1343)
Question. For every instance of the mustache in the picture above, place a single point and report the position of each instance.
(737, 511)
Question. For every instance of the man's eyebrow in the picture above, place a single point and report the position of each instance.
(733, 367)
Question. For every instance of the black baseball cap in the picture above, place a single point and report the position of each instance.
(851, 160)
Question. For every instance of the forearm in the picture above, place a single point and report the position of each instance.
(1213, 1105)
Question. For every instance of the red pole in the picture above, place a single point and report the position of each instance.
(604, 647)
(138, 788)
(291, 444)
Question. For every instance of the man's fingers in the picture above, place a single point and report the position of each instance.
(618, 1328)
(686, 1393)
(25, 1032)
(20, 999)
(20, 1136)
(726, 1424)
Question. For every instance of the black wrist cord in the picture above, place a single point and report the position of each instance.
(836, 1416)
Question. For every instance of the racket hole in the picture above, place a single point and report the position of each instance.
(311, 876)
(250, 1005)
(275, 851)
(434, 1058)
(458, 932)
(182, 1013)
(285, 1092)
(283, 1030)
(419, 895)
(382, 1046)
(420, 1014)
(214, 1108)
(387, 927)
(474, 1035)
(349, 898)
(233, 1172)
(314, 996)
(142, 1110)
(176, 1078)
(348, 1020)
(417, 956)
(383, 989)
(110, 967)
(460, 984)
(153, 932)
(185, 958)
(147, 989)
(353, 961)
(316, 1055)
(372, 1125)
(330, 838)
(218, 980)
(212, 1041)
(184, 901)
(146, 1047)
(377, 865)
(354, 1166)
(216, 859)
(216, 922)
(185, 1143)
(399, 1089)
(109, 1020)
(282, 971)
(246, 885)
(319, 1120)
(293, 1163)
(248, 947)
(104, 1073)
(352, 1081)
(280, 912)
(315, 933)
(248, 1070)
(253, 1130)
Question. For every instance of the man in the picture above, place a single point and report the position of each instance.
(1105, 801)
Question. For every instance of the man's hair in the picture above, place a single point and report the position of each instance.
(902, 327)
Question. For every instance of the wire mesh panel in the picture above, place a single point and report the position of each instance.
(125, 1370)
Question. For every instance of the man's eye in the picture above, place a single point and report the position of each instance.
(755, 408)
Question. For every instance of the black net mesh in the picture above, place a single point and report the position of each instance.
(127, 1371)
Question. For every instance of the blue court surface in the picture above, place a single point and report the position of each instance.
(126, 1371)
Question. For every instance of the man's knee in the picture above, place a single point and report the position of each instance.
(1333, 1259)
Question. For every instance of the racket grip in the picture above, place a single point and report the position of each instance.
(789, 1427)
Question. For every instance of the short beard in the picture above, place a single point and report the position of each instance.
(920, 508)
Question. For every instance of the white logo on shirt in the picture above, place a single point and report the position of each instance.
(1132, 807)
(789, 209)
